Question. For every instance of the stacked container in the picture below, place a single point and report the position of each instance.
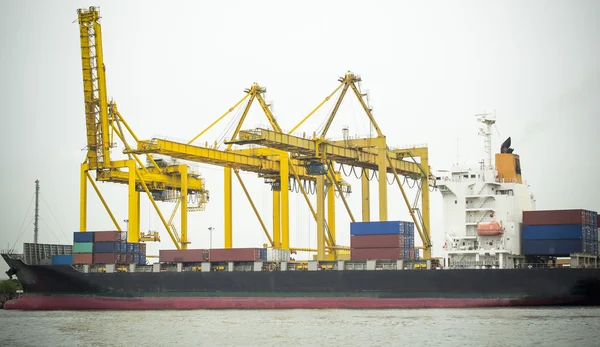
(106, 247)
(83, 245)
(560, 232)
(382, 240)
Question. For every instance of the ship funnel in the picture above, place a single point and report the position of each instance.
(505, 147)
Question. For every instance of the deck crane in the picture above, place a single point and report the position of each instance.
(364, 153)
(160, 180)
(272, 165)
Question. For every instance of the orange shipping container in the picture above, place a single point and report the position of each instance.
(82, 258)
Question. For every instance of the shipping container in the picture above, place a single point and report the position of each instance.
(263, 253)
(275, 255)
(83, 236)
(136, 258)
(411, 253)
(407, 228)
(66, 259)
(113, 258)
(83, 258)
(375, 228)
(109, 247)
(107, 236)
(183, 255)
(376, 241)
(557, 231)
(234, 254)
(417, 255)
(142, 259)
(142, 248)
(136, 248)
(553, 247)
(375, 253)
(552, 217)
(83, 247)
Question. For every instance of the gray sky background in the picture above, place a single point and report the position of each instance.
(174, 68)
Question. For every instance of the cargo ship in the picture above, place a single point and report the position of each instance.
(499, 251)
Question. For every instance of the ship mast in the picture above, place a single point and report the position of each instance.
(485, 130)
(37, 210)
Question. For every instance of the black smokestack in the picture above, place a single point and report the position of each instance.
(505, 147)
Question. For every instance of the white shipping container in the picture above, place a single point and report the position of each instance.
(278, 255)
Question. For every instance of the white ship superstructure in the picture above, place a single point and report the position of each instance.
(483, 208)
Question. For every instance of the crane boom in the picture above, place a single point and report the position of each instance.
(161, 182)
(94, 88)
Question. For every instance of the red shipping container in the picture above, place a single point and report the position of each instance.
(113, 258)
(375, 253)
(183, 256)
(82, 258)
(554, 217)
(234, 254)
(107, 236)
(376, 241)
(411, 253)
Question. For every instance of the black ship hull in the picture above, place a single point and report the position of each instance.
(58, 287)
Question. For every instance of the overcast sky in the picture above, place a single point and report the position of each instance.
(175, 67)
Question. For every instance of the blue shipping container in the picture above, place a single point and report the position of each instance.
(62, 259)
(136, 248)
(553, 247)
(136, 258)
(87, 236)
(263, 254)
(407, 228)
(553, 232)
(375, 228)
(130, 247)
(122, 247)
(107, 247)
(142, 259)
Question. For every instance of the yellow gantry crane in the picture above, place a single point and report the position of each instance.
(160, 180)
(271, 164)
(364, 153)
(311, 160)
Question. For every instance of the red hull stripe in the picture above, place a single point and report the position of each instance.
(182, 303)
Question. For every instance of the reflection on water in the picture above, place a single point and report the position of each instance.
(416, 328)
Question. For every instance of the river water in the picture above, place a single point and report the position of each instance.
(416, 328)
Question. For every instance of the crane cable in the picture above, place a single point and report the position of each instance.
(405, 182)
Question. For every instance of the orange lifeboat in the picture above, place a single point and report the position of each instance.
(489, 229)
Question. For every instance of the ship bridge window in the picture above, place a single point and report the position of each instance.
(472, 176)
(466, 176)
